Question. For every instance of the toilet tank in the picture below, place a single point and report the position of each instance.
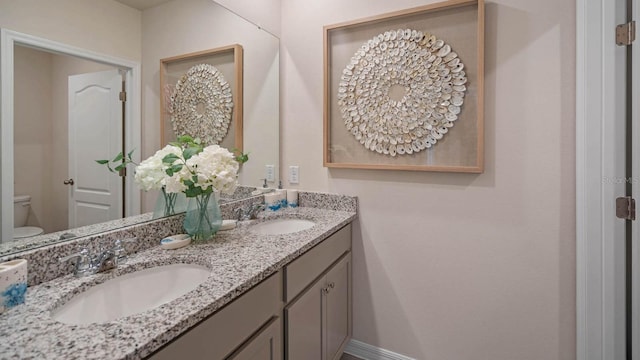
(21, 204)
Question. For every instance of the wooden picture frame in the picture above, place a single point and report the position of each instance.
(459, 23)
(229, 62)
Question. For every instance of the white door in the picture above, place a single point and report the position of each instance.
(601, 177)
(95, 132)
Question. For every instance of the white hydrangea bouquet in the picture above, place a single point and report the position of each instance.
(185, 166)
(199, 172)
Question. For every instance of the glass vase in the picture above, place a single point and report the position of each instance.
(203, 217)
(167, 204)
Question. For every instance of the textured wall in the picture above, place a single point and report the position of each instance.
(457, 266)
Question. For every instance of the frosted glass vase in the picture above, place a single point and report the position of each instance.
(203, 217)
(168, 204)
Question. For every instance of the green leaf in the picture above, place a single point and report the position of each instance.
(190, 151)
(102, 162)
(120, 167)
(169, 172)
(130, 154)
(193, 192)
(176, 168)
(243, 158)
(185, 138)
(118, 157)
(170, 159)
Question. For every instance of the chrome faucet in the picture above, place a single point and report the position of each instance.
(85, 264)
(250, 212)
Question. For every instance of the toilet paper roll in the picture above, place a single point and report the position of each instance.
(292, 198)
(13, 283)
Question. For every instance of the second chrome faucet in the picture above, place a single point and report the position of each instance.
(106, 259)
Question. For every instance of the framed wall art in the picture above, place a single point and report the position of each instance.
(404, 90)
(201, 96)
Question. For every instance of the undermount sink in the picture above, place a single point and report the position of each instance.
(131, 293)
(282, 226)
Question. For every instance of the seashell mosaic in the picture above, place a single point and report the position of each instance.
(401, 92)
(202, 104)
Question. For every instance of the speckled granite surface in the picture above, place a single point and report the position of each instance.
(242, 194)
(238, 259)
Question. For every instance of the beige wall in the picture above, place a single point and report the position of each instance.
(33, 142)
(265, 13)
(107, 27)
(455, 266)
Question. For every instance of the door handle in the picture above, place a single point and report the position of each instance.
(68, 182)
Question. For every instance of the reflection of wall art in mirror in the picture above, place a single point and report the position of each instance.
(401, 92)
(202, 96)
(201, 104)
(393, 89)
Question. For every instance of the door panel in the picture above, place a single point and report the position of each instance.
(338, 308)
(95, 132)
(304, 325)
(264, 346)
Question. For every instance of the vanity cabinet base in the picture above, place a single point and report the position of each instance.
(232, 327)
(318, 295)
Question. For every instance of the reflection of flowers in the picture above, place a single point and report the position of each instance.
(151, 173)
(14, 294)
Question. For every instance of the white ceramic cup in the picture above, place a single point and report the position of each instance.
(13, 283)
(292, 198)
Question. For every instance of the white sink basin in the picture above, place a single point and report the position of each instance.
(282, 226)
(131, 294)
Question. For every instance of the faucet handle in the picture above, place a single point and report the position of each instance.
(119, 249)
(82, 261)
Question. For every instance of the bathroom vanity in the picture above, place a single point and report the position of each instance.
(268, 296)
(315, 290)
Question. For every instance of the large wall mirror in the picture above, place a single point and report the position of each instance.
(40, 141)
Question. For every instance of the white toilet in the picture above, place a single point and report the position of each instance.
(21, 205)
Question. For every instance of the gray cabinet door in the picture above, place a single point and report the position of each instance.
(266, 345)
(304, 325)
(337, 308)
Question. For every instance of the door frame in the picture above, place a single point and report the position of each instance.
(598, 312)
(8, 39)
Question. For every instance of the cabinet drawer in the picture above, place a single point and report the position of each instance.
(302, 271)
(217, 336)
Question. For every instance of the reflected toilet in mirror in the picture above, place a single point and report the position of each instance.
(21, 207)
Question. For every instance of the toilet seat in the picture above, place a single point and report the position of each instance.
(26, 231)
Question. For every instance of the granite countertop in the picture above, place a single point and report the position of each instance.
(238, 259)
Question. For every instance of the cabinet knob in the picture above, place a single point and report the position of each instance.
(332, 285)
(325, 290)
(68, 182)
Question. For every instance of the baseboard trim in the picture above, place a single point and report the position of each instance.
(369, 352)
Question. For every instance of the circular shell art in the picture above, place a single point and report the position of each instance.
(201, 104)
(401, 92)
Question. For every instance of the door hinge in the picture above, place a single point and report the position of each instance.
(626, 33)
(122, 172)
(123, 96)
(626, 208)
